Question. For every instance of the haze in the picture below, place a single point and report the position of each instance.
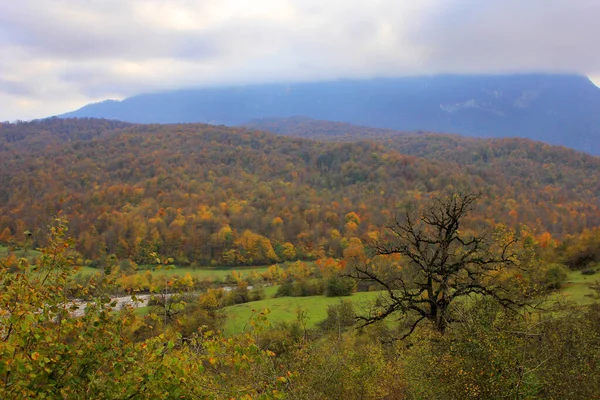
(60, 55)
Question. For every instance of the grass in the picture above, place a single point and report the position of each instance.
(218, 273)
(285, 309)
(87, 271)
(270, 291)
(202, 274)
(141, 311)
(29, 254)
(577, 287)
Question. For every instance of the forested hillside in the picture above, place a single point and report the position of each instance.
(522, 166)
(213, 195)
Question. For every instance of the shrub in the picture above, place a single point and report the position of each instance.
(308, 287)
(285, 289)
(365, 286)
(257, 294)
(555, 276)
(339, 316)
(340, 286)
(128, 267)
(237, 295)
(588, 272)
(302, 288)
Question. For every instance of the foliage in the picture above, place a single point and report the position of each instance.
(300, 288)
(492, 354)
(346, 366)
(208, 196)
(581, 252)
(556, 274)
(48, 351)
(339, 317)
(340, 286)
(441, 264)
(205, 195)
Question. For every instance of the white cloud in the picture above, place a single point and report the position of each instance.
(60, 54)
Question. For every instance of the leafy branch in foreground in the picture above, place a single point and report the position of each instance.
(47, 351)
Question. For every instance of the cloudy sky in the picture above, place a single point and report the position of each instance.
(57, 55)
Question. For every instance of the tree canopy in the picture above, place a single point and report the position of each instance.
(440, 263)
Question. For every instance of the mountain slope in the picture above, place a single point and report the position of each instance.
(557, 109)
(208, 194)
(507, 162)
(429, 145)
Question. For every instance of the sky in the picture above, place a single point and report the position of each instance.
(58, 55)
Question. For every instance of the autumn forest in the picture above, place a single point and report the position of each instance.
(212, 195)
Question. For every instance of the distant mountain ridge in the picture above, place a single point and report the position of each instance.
(493, 153)
(557, 109)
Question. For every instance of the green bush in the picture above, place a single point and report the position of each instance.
(302, 288)
(339, 316)
(588, 272)
(340, 286)
(555, 276)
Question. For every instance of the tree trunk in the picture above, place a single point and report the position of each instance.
(441, 318)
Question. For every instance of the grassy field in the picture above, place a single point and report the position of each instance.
(87, 271)
(212, 273)
(285, 309)
(219, 273)
(29, 254)
(577, 289)
(270, 291)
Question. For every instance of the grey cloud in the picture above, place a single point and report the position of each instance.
(87, 50)
(100, 82)
(15, 88)
(513, 35)
(455, 35)
(111, 33)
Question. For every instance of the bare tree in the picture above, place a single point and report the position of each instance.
(440, 264)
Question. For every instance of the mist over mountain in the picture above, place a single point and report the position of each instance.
(557, 109)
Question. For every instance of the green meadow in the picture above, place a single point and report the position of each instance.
(577, 289)
(286, 309)
(29, 254)
(197, 273)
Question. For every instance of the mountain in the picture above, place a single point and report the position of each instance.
(430, 145)
(208, 194)
(512, 161)
(557, 109)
